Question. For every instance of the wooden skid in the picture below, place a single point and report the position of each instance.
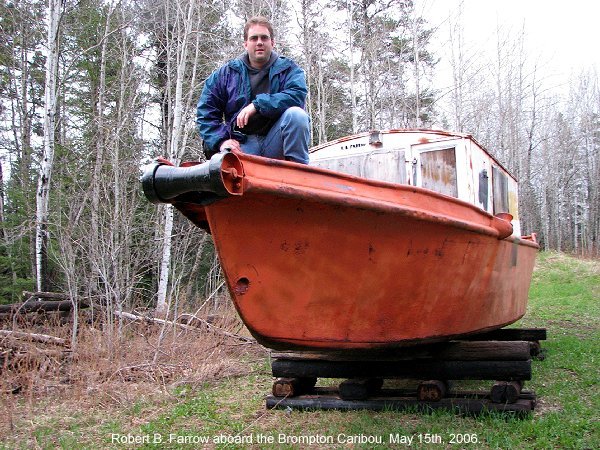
(510, 334)
(416, 369)
(467, 402)
(493, 350)
(497, 358)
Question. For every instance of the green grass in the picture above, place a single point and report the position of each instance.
(564, 298)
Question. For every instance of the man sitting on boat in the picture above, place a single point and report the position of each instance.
(260, 95)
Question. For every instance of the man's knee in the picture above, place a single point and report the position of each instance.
(296, 116)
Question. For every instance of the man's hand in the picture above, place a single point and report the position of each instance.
(230, 144)
(244, 115)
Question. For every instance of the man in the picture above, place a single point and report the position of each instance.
(254, 104)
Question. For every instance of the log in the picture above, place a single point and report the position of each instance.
(210, 327)
(30, 349)
(432, 390)
(35, 337)
(513, 390)
(421, 370)
(34, 306)
(408, 392)
(55, 295)
(506, 391)
(291, 387)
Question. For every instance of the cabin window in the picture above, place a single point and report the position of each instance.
(483, 188)
(500, 190)
(438, 171)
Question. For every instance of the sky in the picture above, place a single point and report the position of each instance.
(561, 36)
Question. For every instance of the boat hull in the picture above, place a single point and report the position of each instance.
(318, 260)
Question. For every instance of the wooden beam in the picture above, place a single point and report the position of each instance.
(359, 388)
(423, 370)
(453, 351)
(510, 334)
(465, 405)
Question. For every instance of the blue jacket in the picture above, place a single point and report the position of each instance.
(227, 90)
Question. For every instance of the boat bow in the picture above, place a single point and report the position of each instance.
(316, 258)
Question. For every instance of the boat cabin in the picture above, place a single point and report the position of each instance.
(452, 164)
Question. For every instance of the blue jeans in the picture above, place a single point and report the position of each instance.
(287, 139)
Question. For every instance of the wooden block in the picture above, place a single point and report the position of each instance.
(432, 390)
(498, 392)
(506, 391)
(291, 387)
(424, 370)
(513, 391)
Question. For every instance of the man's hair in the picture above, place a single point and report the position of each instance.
(258, 20)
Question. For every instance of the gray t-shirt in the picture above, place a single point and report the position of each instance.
(260, 84)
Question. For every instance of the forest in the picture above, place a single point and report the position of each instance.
(92, 90)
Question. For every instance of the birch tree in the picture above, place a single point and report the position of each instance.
(53, 17)
(21, 92)
(182, 35)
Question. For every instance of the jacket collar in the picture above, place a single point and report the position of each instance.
(280, 64)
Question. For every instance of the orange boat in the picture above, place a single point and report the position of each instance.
(386, 239)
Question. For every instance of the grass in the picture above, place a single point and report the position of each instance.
(226, 408)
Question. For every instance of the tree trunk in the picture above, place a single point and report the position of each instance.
(54, 13)
(2, 230)
(178, 139)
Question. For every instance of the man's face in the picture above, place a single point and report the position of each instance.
(259, 45)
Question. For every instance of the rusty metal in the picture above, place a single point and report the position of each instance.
(317, 259)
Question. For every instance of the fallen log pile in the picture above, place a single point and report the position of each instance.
(25, 353)
(39, 302)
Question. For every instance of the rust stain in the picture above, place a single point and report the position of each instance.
(300, 247)
(371, 253)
